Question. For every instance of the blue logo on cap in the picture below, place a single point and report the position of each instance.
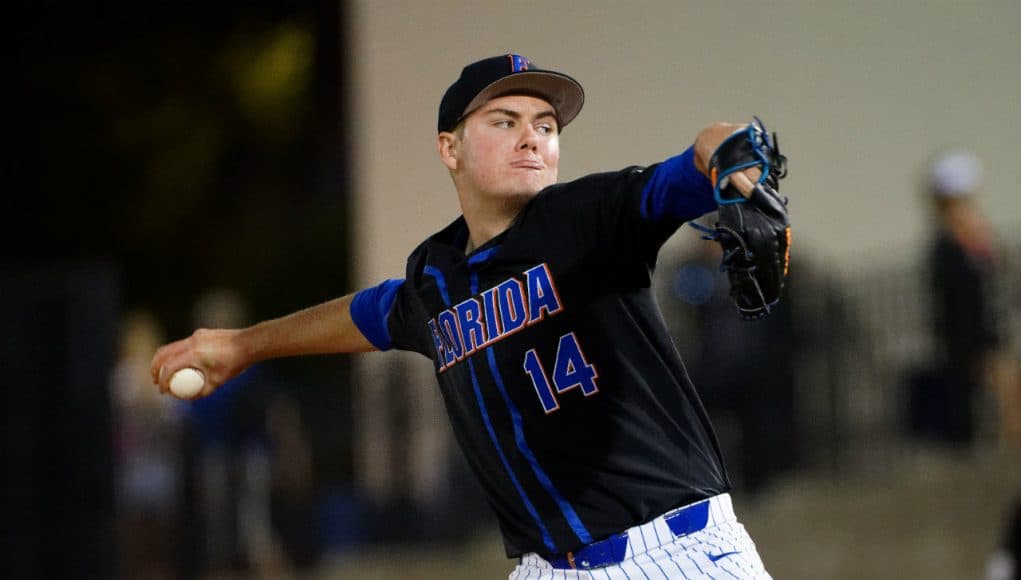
(519, 63)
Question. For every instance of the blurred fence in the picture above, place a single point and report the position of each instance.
(857, 338)
(871, 334)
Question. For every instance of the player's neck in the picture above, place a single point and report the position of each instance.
(481, 231)
(488, 218)
(486, 221)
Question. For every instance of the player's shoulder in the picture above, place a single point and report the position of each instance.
(628, 172)
(588, 187)
(450, 240)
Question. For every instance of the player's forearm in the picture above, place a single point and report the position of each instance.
(326, 328)
(677, 189)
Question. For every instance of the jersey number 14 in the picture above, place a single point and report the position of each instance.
(570, 370)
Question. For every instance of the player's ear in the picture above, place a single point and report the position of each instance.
(448, 146)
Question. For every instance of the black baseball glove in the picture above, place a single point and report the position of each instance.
(755, 233)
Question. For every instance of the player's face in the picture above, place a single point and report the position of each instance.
(510, 147)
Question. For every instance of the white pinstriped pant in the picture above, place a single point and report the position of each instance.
(723, 549)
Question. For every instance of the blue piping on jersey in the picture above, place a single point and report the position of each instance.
(547, 540)
(678, 190)
(481, 257)
(519, 437)
(441, 282)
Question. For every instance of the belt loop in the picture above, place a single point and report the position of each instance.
(689, 519)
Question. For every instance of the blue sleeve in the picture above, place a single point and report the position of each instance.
(677, 190)
(370, 309)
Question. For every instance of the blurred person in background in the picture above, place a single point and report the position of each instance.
(964, 261)
(217, 460)
(147, 443)
(1003, 565)
(252, 466)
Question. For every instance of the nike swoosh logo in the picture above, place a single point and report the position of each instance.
(715, 557)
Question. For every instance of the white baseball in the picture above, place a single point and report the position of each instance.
(187, 382)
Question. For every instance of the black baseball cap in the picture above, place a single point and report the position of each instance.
(509, 74)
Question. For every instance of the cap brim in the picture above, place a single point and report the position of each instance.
(560, 90)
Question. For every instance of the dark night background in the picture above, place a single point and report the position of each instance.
(156, 151)
(150, 136)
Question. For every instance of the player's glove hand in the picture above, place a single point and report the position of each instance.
(755, 232)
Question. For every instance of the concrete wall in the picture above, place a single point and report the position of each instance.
(861, 93)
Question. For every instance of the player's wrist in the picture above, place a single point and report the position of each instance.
(252, 344)
(709, 139)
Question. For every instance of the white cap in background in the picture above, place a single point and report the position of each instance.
(955, 173)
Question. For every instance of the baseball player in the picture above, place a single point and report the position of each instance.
(561, 382)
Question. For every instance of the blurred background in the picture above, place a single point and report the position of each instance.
(177, 166)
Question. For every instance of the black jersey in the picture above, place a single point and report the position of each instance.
(563, 386)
